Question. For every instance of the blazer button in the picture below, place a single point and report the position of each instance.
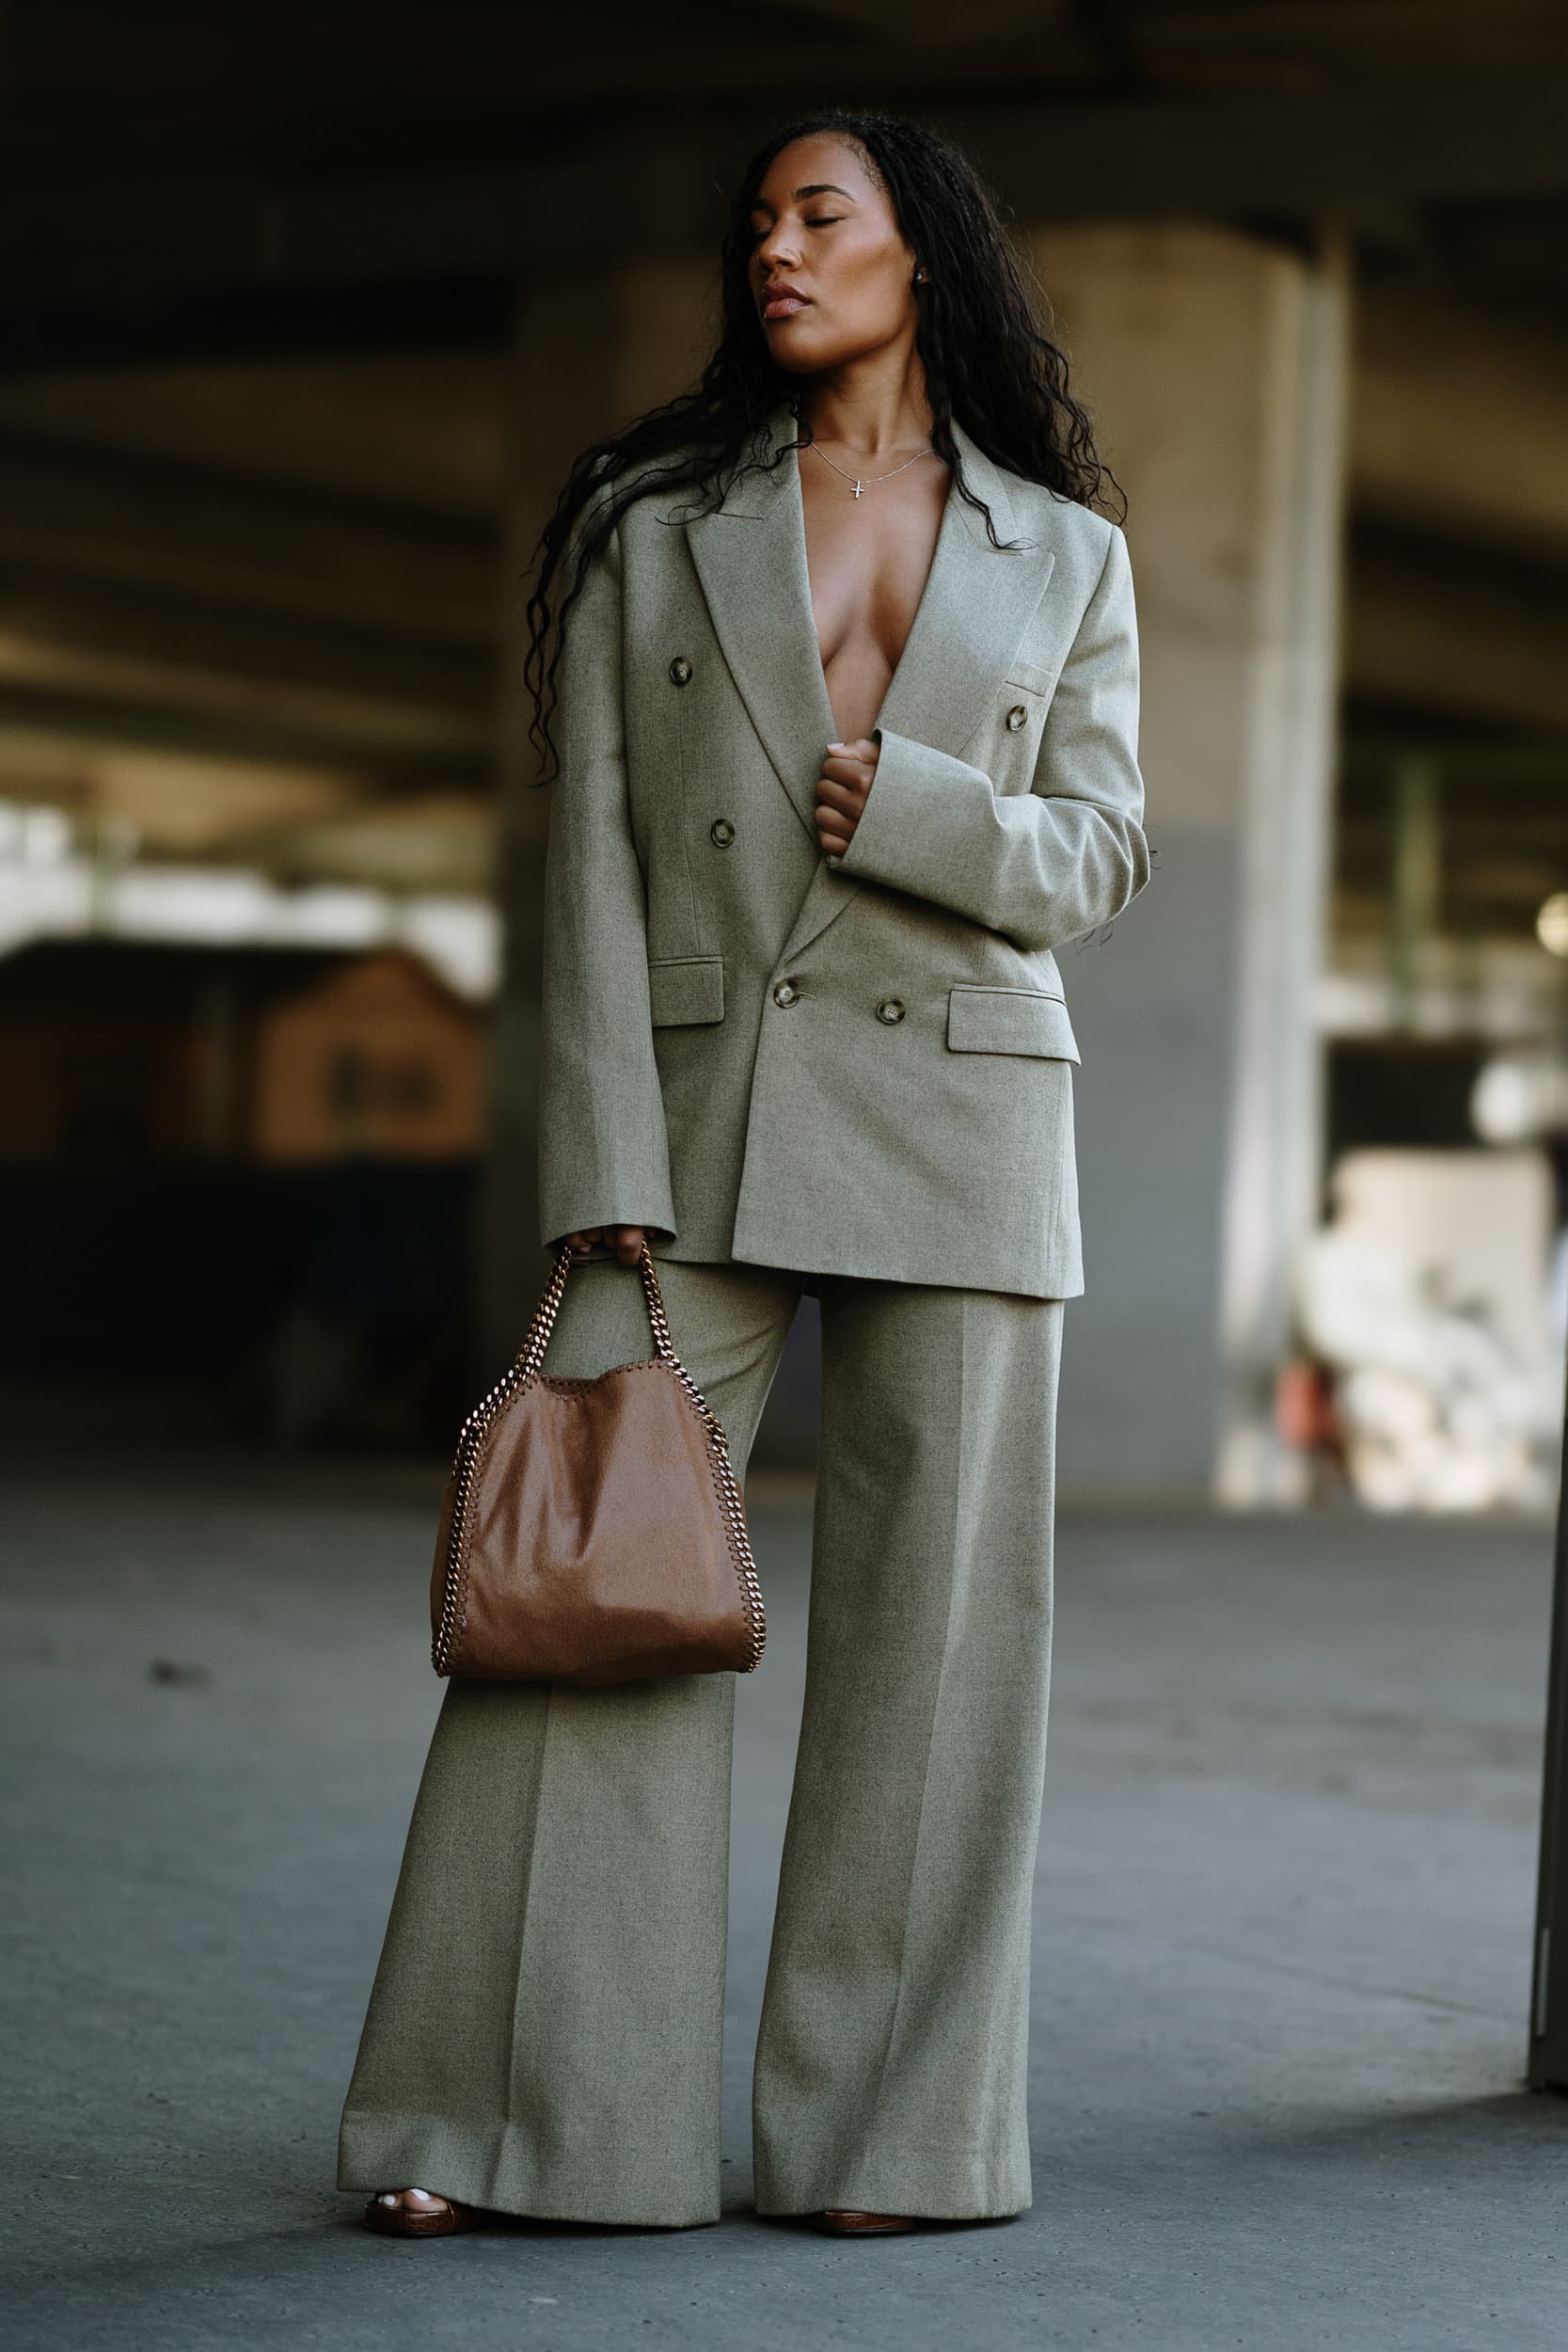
(890, 1010)
(680, 670)
(720, 832)
(1018, 717)
(785, 992)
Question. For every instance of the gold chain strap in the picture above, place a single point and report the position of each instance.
(523, 1371)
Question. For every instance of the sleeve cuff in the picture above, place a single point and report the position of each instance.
(919, 808)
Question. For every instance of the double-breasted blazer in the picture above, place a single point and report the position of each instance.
(861, 1064)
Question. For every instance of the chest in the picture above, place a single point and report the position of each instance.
(868, 558)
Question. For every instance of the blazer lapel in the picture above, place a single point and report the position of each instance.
(977, 602)
(751, 559)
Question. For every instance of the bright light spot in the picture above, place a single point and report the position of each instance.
(169, 903)
(461, 937)
(33, 836)
(47, 891)
(1502, 1103)
(331, 914)
(1517, 1097)
(48, 902)
(1551, 924)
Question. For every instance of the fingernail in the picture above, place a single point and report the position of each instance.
(838, 747)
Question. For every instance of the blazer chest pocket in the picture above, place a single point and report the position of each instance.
(1009, 1021)
(683, 989)
(1029, 675)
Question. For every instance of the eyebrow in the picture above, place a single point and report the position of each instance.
(813, 188)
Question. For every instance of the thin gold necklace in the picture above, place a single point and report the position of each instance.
(865, 481)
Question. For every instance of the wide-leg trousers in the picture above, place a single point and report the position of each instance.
(543, 2032)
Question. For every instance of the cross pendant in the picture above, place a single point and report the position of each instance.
(858, 488)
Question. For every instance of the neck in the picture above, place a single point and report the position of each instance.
(874, 407)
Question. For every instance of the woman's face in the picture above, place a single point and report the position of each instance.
(830, 271)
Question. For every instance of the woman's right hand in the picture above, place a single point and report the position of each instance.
(625, 1240)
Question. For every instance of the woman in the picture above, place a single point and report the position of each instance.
(845, 667)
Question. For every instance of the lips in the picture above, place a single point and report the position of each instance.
(781, 302)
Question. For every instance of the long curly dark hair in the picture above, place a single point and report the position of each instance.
(981, 336)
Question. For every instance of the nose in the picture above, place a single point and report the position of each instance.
(776, 251)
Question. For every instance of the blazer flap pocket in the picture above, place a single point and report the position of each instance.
(1009, 1021)
(686, 988)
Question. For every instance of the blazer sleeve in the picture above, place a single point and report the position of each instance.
(603, 1152)
(1041, 867)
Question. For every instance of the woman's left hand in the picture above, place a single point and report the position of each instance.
(841, 792)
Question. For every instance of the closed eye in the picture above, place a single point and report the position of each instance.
(817, 220)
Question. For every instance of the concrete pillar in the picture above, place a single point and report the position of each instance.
(587, 351)
(1216, 368)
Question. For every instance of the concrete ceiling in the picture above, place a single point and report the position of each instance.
(162, 160)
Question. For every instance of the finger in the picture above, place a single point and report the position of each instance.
(839, 796)
(833, 840)
(863, 747)
(844, 771)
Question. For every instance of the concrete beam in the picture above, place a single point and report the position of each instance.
(1456, 422)
(284, 735)
(410, 423)
(191, 531)
(379, 694)
(1445, 627)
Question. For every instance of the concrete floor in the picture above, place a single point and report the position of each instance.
(1283, 1917)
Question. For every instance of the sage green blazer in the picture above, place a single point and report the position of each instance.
(853, 1065)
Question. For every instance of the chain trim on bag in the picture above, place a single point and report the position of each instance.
(730, 1506)
(524, 1372)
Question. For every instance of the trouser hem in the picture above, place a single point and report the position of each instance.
(939, 2188)
(499, 2170)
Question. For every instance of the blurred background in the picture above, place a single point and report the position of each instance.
(303, 313)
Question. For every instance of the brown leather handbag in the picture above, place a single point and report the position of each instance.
(593, 1531)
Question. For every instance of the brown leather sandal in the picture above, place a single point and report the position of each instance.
(842, 2221)
(438, 2220)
